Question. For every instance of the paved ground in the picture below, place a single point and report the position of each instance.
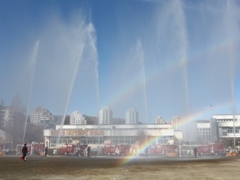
(104, 168)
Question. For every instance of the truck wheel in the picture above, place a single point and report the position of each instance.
(216, 153)
(65, 153)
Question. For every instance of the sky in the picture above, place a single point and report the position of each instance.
(164, 58)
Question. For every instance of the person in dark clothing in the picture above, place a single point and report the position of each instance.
(146, 152)
(195, 151)
(24, 152)
(46, 151)
(88, 151)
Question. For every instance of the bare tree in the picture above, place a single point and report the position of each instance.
(15, 124)
(34, 133)
(141, 136)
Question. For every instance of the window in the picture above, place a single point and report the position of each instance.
(52, 143)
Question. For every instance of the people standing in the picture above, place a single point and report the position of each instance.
(46, 151)
(88, 151)
(146, 152)
(24, 152)
(195, 151)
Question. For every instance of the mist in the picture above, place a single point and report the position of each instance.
(178, 59)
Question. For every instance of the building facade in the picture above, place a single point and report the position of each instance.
(228, 128)
(220, 128)
(6, 115)
(41, 116)
(116, 134)
(159, 120)
(77, 118)
(105, 115)
(197, 132)
(131, 116)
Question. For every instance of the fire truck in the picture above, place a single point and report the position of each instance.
(116, 149)
(123, 149)
(37, 148)
(1, 147)
(80, 149)
(211, 149)
(67, 149)
(187, 150)
(159, 149)
(33, 149)
(156, 149)
(109, 149)
(19, 149)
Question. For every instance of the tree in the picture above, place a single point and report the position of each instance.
(34, 133)
(67, 120)
(141, 136)
(2, 102)
(16, 122)
(1, 115)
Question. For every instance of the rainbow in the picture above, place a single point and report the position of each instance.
(170, 67)
(182, 122)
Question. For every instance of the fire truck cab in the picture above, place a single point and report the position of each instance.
(109, 149)
(123, 149)
(159, 149)
(19, 149)
(80, 149)
(211, 149)
(67, 149)
(156, 149)
(37, 148)
(116, 149)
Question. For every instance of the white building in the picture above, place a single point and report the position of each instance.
(77, 118)
(6, 115)
(176, 122)
(2, 136)
(225, 128)
(197, 132)
(131, 116)
(117, 134)
(40, 115)
(105, 115)
(159, 120)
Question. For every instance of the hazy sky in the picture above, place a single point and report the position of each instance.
(164, 58)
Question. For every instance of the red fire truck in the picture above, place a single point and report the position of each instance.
(211, 149)
(80, 149)
(116, 149)
(1, 147)
(19, 149)
(37, 148)
(109, 149)
(156, 149)
(123, 149)
(33, 149)
(159, 149)
(67, 149)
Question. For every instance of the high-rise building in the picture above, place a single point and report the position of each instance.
(159, 120)
(40, 115)
(77, 118)
(6, 115)
(105, 115)
(1, 115)
(131, 116)
(176, 122)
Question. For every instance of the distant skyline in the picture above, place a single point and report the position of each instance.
(164, 58)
